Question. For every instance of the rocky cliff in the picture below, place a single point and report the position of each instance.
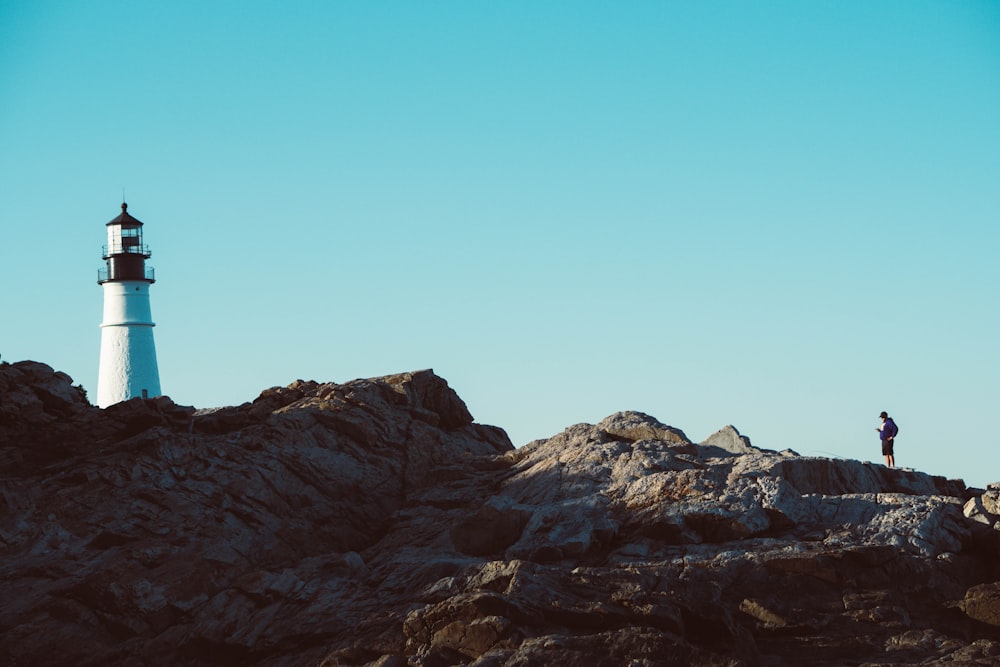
(375, 523)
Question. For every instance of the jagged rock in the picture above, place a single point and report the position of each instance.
(982, 603)
(767, 617)
(635, 426)
(985, 508)
(155, 524)
(829, 477)
(33, 393)
(727, 441)
(374, 523)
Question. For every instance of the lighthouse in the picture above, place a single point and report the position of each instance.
(128, 356)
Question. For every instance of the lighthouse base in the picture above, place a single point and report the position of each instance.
(128, 364)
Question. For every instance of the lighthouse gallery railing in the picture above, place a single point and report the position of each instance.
(104, 275)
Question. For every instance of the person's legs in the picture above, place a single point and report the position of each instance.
(890, 459)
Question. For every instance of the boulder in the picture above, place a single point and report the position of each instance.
(982, 603)
(727, 441)
(634, 426)
(984, 508)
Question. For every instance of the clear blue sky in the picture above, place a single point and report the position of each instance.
(780, 215)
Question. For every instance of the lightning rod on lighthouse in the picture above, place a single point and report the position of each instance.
(128, 356)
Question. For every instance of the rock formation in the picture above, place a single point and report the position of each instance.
(375, 523)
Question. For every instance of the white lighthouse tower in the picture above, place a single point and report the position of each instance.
(128, 356)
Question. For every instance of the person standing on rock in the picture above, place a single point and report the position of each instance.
(887, 433)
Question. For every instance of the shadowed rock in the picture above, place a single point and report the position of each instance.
(374, 523)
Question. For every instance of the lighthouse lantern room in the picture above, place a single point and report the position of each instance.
(128, 356)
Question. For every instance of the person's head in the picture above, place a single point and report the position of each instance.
(883, 415)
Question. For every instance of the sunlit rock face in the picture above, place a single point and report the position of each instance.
(375, 523)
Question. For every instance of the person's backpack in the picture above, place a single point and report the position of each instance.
(891, 425)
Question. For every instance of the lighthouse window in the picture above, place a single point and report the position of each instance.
(131, 239)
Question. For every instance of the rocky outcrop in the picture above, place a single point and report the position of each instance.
(155, 531)
(985, 508)
(375, 523)
(726, 441)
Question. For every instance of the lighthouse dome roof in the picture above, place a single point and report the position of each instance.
(125, 219)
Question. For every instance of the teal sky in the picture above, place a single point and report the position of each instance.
(779, 215)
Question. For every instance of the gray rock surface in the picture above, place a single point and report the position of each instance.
(375, 523)
(726, 441)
